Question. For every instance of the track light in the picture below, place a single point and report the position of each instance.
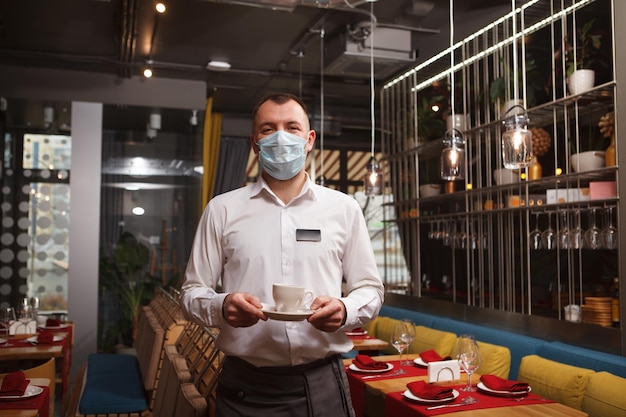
(147, 70)
(160, 7)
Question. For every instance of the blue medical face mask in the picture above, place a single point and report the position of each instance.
(282, 155)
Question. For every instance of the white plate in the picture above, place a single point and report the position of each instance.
(55, 338)
(299, 315)
(484, 388)
(31, 391)
(420, 362)
(3, 340)
(409, 395)
(363, 333)
(60, 326)
(355, 368)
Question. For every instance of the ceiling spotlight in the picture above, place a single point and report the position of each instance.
(160, 7)
(147, 70)
(218, 66)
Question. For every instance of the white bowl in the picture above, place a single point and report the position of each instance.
(506, 176)
(429, 190)
(588, 161)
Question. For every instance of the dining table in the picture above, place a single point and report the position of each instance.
(366, 344)
(15, 349)
(383, 395)
(35, 406)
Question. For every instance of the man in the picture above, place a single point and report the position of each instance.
(253, 237)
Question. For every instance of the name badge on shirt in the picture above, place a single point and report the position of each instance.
(308, 235)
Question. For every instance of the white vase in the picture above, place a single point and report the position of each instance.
(580, 81)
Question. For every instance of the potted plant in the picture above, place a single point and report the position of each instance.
(498, 87)
(584, 58)
(124, 278)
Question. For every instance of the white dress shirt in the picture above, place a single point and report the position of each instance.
(247, 237)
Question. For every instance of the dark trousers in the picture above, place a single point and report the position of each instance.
(318, 389)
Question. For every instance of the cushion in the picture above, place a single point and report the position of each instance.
(557, 381)
(585, 358)
(604, 396)
(384, 329)
(426, 339)
(116, 393)
(496, 359)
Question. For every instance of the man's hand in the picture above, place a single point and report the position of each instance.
(242, 309)
(329, 314)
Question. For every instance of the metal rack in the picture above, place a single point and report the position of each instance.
(493, 265)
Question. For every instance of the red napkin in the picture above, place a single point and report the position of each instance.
(500, 384)
(45, 337)
(430, 356)
(53, 323)
(14, 384)
(428, 391)
(365, 362)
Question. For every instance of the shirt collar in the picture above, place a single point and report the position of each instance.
(308, 190)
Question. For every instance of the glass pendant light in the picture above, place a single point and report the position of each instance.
(453, 156)
(373, 180)
(517, 144)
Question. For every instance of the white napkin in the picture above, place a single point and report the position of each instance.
(444, 371)
(17, 327)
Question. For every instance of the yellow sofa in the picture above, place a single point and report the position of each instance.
(605, 395)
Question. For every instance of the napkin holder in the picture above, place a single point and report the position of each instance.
(444, 371)
(17, 327)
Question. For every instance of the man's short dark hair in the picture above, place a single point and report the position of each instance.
(278, 98)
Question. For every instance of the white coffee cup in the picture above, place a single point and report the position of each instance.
(290, 298)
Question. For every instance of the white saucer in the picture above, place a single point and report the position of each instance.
(355, 368)
(55, 338)
(299, 315)
(31, 391)
(409, 395)
(363, 333)
(3, 340)
(484, 388)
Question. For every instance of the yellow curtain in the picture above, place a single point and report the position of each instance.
(210, 150)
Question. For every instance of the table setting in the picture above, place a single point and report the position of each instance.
(18, 393)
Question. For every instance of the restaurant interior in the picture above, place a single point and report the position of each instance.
(131, 118)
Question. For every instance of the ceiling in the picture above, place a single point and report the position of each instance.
(268, 50)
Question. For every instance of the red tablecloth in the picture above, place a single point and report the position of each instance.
(39, 402)
(397, 405)
(357, 385)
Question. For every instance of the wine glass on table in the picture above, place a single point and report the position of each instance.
(7, 316)
(400, 339)
(410, 335)
(25, 312)
(470, 360)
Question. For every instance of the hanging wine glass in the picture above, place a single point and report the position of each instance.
(534, 237)
(563, 234)
(548, 238)
(592, 234)
(609, 233)
(576, 233)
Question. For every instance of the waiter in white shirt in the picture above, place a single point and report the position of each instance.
(250, 238)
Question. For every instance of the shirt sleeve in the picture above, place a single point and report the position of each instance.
(199, 299)
(364, 287)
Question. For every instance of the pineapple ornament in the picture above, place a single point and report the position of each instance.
(541, 145)
(607, 128)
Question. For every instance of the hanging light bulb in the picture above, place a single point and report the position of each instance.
(517, 144)
(453, 156)
(373, 180)
(452, 161)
